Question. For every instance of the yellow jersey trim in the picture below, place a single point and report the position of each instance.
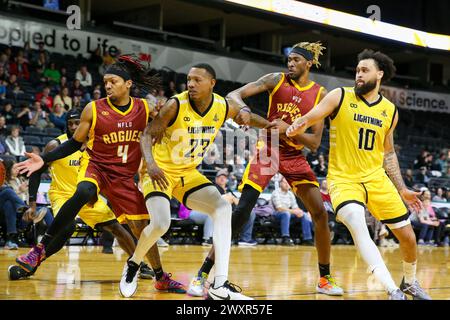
(147, 108)
(309, 86)
(117, 110)
(318, 97)
(90, 143)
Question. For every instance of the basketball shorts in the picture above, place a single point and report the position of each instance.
(379, 195)
(181, 185)
(125, 198)
(266, 164)
(94, 216)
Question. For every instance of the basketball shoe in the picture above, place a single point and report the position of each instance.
(146, 272)
(327, 285)
(169, 285)
(414, 290)
(227, 291)
(128, 282)
(17, 273)
(33, 258)
(197, 285)
(397, 294)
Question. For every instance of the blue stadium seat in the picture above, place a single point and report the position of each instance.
(54, 132)
(32, 140)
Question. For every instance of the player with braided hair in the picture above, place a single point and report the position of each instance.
(292, 94)
(111, 129)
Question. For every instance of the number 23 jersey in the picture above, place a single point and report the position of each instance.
(357, 135)
(189, 134)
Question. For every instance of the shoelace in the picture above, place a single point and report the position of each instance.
(131, 272)
(34, 254)
(331, 280)
(414, 288)
(172, 283)
(233, 287)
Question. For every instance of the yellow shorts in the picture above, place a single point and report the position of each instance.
(180, 186)
(379, 195)
(98, 215)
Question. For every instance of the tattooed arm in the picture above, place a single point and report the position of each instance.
(392, 168)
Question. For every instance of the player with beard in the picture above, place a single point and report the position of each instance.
(363, 169)
(292, 94)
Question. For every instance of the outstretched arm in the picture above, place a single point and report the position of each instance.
(392, 168)
(329, 104)
(234, 111)
(265, 83)
(72, 145)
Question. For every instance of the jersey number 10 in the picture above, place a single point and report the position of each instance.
(366, 139)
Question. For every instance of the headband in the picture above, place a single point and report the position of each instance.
(118, 72)
(308, 55)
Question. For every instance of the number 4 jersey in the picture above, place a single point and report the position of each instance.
(189, 134)
(114, 137)
(357, 134)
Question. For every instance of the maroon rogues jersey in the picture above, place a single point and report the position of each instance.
(114, 136)
(289, 101)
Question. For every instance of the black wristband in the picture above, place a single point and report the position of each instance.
(33, 184)
(63, 150)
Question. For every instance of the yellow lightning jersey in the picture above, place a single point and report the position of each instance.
(188, 135)
(64, 173)
(357, 134)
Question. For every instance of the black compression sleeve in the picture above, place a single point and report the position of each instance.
(33, 184)
(63, 150)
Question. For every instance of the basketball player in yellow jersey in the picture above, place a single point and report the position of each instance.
(361, 153)
(182, 131)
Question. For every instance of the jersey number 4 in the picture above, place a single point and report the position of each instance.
(366, 139)
(122, 152)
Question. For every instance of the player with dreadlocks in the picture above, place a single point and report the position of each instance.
(291, 95)
(110, 128)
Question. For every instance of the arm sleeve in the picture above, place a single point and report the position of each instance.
(33, 184)
(63, 150)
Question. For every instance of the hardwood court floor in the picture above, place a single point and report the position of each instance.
(264, 272)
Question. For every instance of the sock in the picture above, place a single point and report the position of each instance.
(219, 281)
(206, 267)
(324, 270)
(409, 271)
(46, 239)
(158, 273)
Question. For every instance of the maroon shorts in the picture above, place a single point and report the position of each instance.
(126, 201)
(266, 164)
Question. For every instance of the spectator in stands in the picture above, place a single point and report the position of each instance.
(442, 163)
(24, 116)
(20, 68)
(439, 197)
(3, 73)
(97, 94)
(41, 61)
(27, 52)
(3, 129)
(15, 143)
(239, 166)
(107, 61)
(37, 77)
(96, 56)
(408, 178)
(421, 176)
(41, 54)
(182, 87)
(161, 96)
(52, 74)
(9, 114)
(18, 183)
(85, 78)
(45, 99)
(425, 220)
(13, 208)
(321, 168)
(58, 116)
(39, 117)
(172, 89)
(421, 159)
(76, 102)
(4, 63)
(12, 82)
(285, 205)
(3, 86)
(63, 98)
(77, 89)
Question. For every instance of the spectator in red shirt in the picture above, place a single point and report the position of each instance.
(45, 98)
(20, 68)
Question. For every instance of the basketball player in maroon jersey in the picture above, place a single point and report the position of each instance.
(112, 127)
(291, 95)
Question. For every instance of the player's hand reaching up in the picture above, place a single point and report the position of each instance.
(34, 163)
(299, 126)
(412, 200)
(157, 176)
